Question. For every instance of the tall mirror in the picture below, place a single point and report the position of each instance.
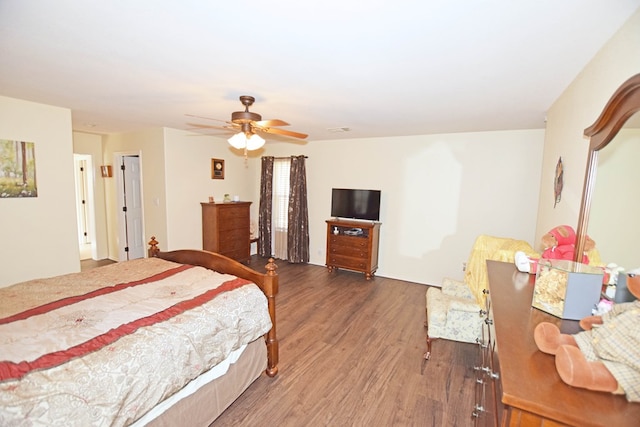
(615, 207)
(611, 148)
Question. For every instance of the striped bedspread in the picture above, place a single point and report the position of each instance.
(105, 347)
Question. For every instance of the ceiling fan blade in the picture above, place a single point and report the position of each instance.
(207, 118)
(198, 125)
(273, 122)
(201, 126)
(284, 132)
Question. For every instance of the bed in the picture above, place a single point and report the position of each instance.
(172, 339)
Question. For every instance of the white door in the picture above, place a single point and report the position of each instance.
(130, 227)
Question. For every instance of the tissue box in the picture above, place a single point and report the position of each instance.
(567, 289)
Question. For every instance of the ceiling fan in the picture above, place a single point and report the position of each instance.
(248, 126)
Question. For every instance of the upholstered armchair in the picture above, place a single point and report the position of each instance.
(452, 313)
(454, 310)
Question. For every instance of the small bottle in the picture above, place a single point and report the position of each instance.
(611, 291)
(335, 231)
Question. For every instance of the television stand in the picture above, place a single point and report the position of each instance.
(353, 245)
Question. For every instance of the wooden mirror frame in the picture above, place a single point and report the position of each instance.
(623, 104)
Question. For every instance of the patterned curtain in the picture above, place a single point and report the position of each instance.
(298, 232)
(264, 214)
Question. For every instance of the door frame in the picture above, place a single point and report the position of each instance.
(89, 203)
(120, 223)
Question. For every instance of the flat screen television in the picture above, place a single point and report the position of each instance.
(355, 204)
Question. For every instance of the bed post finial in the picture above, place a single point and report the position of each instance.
(153, 247)
(271, 267)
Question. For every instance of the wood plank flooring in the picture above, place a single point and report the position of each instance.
(350, 355)
(88, 264)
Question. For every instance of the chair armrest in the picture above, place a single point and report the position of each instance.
(456, 288)
(463, 304)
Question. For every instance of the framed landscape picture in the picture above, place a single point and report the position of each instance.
(17, 169)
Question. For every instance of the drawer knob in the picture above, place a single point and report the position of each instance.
(477, 411)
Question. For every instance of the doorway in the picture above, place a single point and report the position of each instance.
(83, 167)
(131, 244)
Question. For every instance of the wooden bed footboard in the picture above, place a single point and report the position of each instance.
(268, 283)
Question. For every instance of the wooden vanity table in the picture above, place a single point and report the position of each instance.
(527, 390)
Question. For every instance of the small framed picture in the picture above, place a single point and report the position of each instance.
(217, 169)
(106, 171)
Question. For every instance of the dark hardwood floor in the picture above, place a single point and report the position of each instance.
(88, 264)
(350, 355)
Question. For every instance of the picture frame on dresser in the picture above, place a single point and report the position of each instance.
(217, 168)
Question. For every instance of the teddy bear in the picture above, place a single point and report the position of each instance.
(558, 243)
(605, 356)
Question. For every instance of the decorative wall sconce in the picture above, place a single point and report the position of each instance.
(106, 171)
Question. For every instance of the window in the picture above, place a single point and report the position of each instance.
(280, 207)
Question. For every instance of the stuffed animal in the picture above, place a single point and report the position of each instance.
(559, 243)
(606, 355)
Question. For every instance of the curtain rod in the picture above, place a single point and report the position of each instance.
(282, 158)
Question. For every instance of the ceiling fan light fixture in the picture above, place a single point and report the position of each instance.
(239, 140)
(255, 142)
(251, 141)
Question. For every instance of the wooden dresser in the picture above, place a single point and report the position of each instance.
(225, 229)
(353, 245)
(517, 384)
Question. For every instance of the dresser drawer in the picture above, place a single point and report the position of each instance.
(231, 240)
(350, 251)
(240, 254)
(347, 262)
(228, 213)
(353, 241)
(234, 223)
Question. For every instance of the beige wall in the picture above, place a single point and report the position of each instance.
(188, 183)
(439, 192)
(576, 109)
(38, 235)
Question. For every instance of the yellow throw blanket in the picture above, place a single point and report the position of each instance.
(491, 248)
(500, 249)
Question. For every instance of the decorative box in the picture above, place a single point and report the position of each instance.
(567, 289)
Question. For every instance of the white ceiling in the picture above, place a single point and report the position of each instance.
(380, 68)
